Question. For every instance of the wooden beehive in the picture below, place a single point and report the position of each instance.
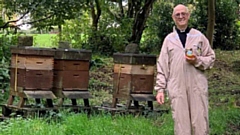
(133, 75)
(31, 70)
(71, 72)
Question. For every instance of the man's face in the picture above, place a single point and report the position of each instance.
(181, 16)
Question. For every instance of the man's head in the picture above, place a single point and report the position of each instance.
(181, 16)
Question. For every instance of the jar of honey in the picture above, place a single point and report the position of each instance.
(189, 53)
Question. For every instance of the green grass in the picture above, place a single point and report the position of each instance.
(44, 40)
(81, 124)
(222, 122)
(225, 121)
(49, 40)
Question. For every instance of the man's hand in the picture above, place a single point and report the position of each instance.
(191, 60)
(160, 97)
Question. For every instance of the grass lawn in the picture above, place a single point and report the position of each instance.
(222, 122)
(81, 124)
(44, 40)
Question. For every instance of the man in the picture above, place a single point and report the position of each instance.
(183, 76)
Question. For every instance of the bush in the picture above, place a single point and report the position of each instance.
(227, 32)
(226, 36)
(5, 58)
(159, 24)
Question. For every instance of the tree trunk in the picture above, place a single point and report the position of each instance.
(95, 15)
(211, 21)
(140, 21)
(121, 8)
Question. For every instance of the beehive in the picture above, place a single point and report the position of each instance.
(71, 73)
(31, 73)
(133, 76)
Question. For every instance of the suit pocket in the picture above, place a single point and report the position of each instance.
(173, 89)
(197, 48)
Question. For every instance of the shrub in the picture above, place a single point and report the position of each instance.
(5, 57)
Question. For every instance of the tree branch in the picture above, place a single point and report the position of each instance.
(6, 25)
(35, 21)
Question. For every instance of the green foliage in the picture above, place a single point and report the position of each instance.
(4, 79)
(100, 43)
(165, 123)
(109, 38)
(100, 82)
(159, 24)
(97, 62)
(31, 127)
(222, 121)
(227, 32)
(45, 13)
(226, 35)
(1, 21)
(76, 30)
(81, 124)
(199, 17)
(5, 57)
(114, 29)
(74, 16)
(118, 33)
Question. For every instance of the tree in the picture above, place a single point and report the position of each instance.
(44, 13)
(140, 20)
(129, 15)
(96, 13)
(136, 12)
(211, 21)
(159, 25)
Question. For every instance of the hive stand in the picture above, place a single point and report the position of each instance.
(133, 79)
(31, 75)
(71, 75)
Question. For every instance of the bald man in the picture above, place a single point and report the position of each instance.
(182, 76)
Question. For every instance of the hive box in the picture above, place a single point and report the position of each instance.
(31, 72)
(71, 73)
(133, 76)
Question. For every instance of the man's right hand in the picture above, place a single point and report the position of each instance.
(160, 97)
